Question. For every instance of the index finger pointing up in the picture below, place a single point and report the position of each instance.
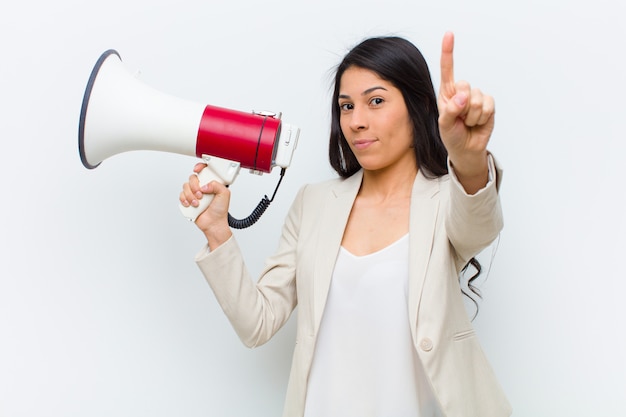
(447, 66)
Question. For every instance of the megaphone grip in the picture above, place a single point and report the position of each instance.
(192, 212)
(217, 169)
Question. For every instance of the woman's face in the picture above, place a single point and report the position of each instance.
(375, 121)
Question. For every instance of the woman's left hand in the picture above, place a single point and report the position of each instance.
(466, 121)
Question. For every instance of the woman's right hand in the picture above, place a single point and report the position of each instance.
(213, 221)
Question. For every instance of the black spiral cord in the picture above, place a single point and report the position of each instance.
(258, 211)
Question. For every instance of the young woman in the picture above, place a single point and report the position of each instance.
(373, 258)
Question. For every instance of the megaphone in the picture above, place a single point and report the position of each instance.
(120, 113)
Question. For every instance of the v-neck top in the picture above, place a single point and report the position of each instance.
(365, 363)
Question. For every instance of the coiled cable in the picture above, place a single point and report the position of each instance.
(257, 212)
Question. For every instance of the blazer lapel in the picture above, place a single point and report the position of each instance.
(336, 210)
(423, 218)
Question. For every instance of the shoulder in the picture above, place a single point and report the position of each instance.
(427, 187)
(333, 187)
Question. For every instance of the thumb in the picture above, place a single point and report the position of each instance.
(214, 187)
(452, 110)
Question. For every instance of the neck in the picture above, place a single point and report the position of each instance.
(396, 182)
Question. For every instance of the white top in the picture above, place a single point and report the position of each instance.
(365, 364)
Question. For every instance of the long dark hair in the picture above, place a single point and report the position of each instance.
(401, 63)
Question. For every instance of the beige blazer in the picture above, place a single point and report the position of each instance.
(447, 228)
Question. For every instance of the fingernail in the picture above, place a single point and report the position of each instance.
(185, 203)
(205, 187)
(460, 99)
(194, 203)
(199, 194)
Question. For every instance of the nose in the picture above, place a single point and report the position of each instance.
(358, 119)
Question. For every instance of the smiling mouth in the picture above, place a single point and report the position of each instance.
(362, 143)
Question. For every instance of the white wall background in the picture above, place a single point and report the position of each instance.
(102, 309)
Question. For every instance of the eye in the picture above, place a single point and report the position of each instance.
(346, 106)
(376, 101)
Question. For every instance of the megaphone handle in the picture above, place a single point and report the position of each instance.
(217, 169)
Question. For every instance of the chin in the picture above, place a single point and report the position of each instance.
(368, 164)
(372, 166)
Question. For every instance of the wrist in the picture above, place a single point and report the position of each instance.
(470, 165)
(471, 171)
(217, 235)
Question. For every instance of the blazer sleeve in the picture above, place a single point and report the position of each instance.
(474, 221)
(256, 310)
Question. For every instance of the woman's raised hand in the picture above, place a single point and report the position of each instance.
(466, 121)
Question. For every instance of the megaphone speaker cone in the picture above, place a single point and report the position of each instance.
(83, 109)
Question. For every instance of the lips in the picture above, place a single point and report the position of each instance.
(362, 143)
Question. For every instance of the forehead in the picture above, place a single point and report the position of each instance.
(357, 80)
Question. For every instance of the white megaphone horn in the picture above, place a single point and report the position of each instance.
(119, 113)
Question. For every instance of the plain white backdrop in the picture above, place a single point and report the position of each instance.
(102, 309)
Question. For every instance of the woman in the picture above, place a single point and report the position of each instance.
(372, 259)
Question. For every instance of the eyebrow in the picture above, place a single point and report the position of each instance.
(366, 92)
